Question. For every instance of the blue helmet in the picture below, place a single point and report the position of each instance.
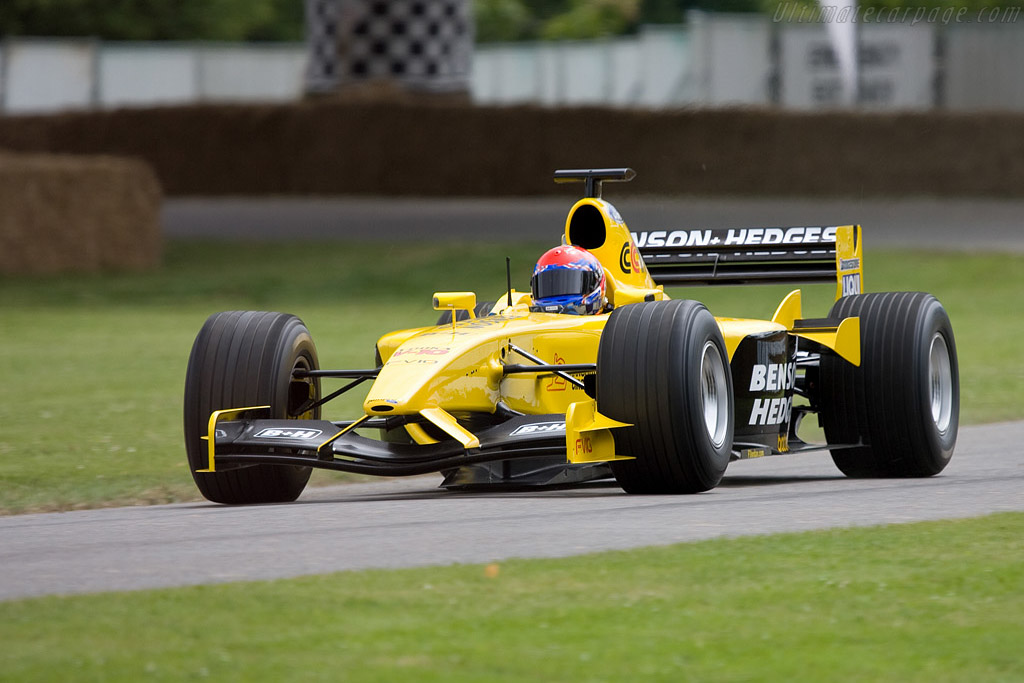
(568, 279)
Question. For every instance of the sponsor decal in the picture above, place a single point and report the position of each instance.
(783, 443)
(773, 377)
(815, 235)
(849, 264)
(735, 237)
(464, 327)
(613, 212)
(421, 351)
(851, 284)
(583, 445)
(539, 428)
(220, 434)
(557, 383)
(629, 259)
(770, 411)
(483, 321)
(675, 238)
(276, 433)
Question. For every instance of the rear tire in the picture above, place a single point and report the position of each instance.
(242, 359)
(903, 402)
(663, 367)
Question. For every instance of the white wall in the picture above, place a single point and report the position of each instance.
(984, 66)
(147, 74)
(649, 70)
(713, 60)
(42, 75)
(246, 72)
(731, 59)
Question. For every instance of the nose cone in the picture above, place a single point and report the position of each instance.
(438, 369)
(380, 406)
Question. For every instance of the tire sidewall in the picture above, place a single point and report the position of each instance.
(689, 397)
(301, 347)
(941, 443)
(885, 402)
(649, 375)
(245, 359)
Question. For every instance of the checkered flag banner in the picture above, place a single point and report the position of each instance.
(423, 45)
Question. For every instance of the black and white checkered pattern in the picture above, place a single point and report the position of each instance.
(420, 44)
(322, 19)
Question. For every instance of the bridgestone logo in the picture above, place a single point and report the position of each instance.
(539, 428)
(275, 433)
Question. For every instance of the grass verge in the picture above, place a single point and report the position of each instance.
(921, 602)
(93, 366)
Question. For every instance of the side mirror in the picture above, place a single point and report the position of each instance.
(455, 301)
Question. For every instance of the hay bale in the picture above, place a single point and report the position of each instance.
(77, 214)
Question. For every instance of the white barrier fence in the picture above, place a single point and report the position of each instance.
(39, 75)
(714, 60)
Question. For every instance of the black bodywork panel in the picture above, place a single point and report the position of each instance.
(525, 450)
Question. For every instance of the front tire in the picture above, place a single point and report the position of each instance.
(663, 367)
(903, 402)
(242, 359)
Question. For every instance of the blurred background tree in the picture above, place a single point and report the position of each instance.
(228, 20)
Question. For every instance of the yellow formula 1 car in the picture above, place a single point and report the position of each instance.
(544, 388)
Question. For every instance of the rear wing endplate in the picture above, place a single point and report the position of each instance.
(741, 256)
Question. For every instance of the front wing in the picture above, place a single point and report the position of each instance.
(337, 446)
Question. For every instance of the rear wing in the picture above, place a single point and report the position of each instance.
(742, 256)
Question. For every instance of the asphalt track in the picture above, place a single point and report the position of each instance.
(409, 522)
(938, 223)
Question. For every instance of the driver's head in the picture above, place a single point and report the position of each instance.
(568, 279)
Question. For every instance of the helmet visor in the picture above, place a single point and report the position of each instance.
(554, 282)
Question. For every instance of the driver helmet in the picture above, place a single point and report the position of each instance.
(568, 279)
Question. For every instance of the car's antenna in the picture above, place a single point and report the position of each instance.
(508, 279)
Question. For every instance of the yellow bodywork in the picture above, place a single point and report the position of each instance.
(588, 436)
(447, 372)
(459, 366)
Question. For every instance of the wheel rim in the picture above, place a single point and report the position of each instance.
(301, 392)
(940, 381)
(714, 394)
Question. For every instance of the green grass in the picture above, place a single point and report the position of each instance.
(926, 602)
(92, 367)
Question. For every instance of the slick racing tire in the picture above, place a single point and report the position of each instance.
(481, 309)
(243, 359)
(663, 367)
(903, 401)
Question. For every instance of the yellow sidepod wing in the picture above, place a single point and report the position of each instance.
(588, 436)
(842, 337)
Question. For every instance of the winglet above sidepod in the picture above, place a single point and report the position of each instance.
(588, 436)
